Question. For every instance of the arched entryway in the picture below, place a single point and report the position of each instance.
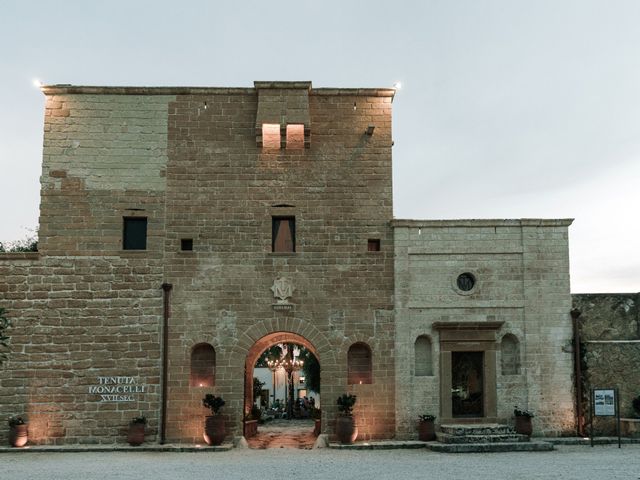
(297, 431)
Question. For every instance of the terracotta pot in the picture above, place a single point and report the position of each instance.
(426, 431)
(18, 435)
(135, 436)
(523, 425)
(346, 430)
(214, 430)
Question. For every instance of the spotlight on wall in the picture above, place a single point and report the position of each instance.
(370, 129)
(397, 85)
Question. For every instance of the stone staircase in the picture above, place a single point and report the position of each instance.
(488, 437)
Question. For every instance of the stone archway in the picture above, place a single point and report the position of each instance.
(260, 346)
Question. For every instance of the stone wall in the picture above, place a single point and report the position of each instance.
(610, 339)
(76, 320)
(522, 273)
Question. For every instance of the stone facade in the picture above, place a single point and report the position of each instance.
(88, 344)
(610, 344)
(522, 289)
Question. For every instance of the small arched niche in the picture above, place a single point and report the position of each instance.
(359, 370)
(510, 353)
(423, 357)
(203, 366)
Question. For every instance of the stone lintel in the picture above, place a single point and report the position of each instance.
(467, 325)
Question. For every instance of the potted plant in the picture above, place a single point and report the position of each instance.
(135, 436)
(346, 428)
(426, 428)
(214, 432)
(523, 421)
(18, 431)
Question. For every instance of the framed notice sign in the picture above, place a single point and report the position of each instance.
(604, 403)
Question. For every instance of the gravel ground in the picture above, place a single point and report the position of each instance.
(567, 462)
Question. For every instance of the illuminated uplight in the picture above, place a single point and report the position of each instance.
(37, 83)
(397, 85)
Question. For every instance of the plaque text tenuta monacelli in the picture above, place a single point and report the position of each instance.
(116, 389)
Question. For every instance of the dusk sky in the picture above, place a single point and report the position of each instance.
(508, 109)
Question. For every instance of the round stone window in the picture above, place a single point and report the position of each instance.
(466, 281)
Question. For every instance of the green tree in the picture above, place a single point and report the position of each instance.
(257, 388)
(311, 370)
(27, 244)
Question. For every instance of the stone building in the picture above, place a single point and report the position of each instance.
(185, 230)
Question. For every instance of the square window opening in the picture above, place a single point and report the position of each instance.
(186, 244)
(373, 245)
(134, 233)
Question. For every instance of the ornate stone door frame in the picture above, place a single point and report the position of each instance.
(468, 337)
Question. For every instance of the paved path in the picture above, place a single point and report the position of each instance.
(284, 434)
(575, 463)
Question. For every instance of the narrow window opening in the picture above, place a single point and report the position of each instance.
(295, 136)
(186, 244)
(134, 233)
(270, 136)
(283, 234)
(373, 245)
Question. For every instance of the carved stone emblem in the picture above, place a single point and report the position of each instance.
(282, 289)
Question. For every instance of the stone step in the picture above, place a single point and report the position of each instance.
(462, 429)
(501, 438)
(535, 446)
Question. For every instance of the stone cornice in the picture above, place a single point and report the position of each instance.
(64, 89)
(521, 222)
